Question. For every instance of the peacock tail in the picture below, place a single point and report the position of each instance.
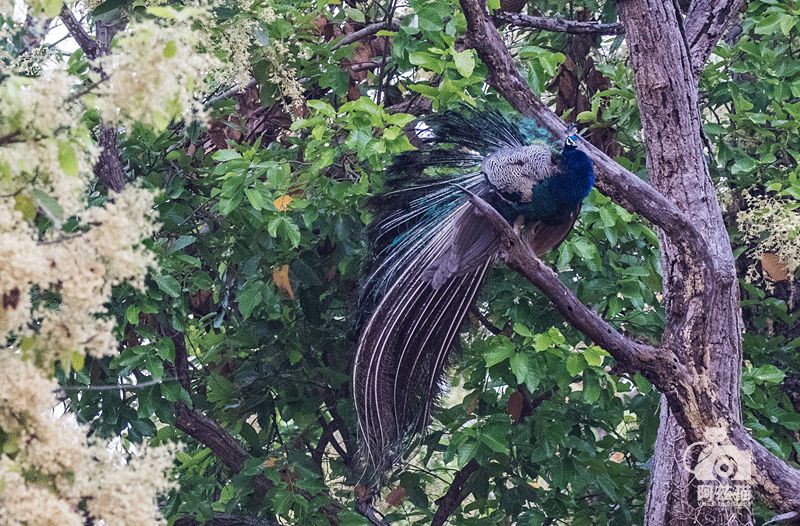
(430, 252)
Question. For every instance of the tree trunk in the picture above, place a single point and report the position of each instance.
(676, 166)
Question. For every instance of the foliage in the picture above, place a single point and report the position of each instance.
(262, 201)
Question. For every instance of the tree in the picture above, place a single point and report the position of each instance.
(264, 127)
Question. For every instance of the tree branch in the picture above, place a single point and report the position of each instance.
(109, 166)
(706, 22)
(222, 444)
(364, 32)
(615, 181)
(557, 24)
(632, 356)
(89, 46)
(452, 499)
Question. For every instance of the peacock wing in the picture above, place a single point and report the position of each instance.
(544, 237)
(473, 243)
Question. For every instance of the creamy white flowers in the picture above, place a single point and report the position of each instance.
(772, 225)
(48, 471)
(155, 70)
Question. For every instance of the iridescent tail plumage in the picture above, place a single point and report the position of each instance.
(430, 254)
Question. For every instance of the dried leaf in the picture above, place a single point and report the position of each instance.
(396, 496)
(280, 276)
(774, 267)
(515, 405)
(282, 203)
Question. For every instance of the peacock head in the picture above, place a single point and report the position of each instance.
(572, 138)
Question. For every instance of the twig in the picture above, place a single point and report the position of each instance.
(228, 93)
(89, 46)
(112, 387)
(558, 24)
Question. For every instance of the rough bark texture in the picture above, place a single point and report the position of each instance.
(696, 366)
(667, 98)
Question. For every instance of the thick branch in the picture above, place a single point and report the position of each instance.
(706, 22)
(774, 480)
(222, 444)
(207, 431)
(630, 355)
(558, 24)
(450, 501)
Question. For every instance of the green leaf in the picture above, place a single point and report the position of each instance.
(466, 452)
(498, 353)
(169, 285)
(465, 62)
(162, 12)
(170, 49)
(586, 116)
(519, 366)
(355, 15)
(67, 159)
(591, 389)
(594, 356)
(575, 364)
(226, 155)
(249, 298)
(48, 205)
(255, 197)
(171, 391)
(350, 518)
(743, 165)
(642, 384)
(77, 361)
(495, 437)
(522, 330)
(132, 315)
(768, 374)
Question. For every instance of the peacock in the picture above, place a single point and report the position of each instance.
(431, 251)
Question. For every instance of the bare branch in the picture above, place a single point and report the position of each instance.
(111, 387)
(228, 93)
(558, 24)
(364, 32)
(89, 46)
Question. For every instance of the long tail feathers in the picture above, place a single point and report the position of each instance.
(404, 349)
(430, 256)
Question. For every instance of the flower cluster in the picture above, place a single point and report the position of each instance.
(155, 70)
(79, 268)
(772, 226)
(47, 472)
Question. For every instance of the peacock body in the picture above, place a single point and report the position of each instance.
(431, 251)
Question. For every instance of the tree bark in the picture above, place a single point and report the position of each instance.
(667, 98)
